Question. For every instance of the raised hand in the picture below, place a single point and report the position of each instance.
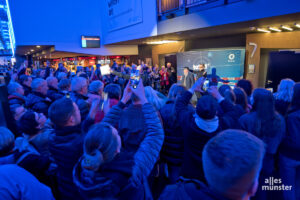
(127, 93)
(198, 85)
(139, 91)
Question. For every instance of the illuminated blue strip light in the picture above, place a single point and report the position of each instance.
(11, 31)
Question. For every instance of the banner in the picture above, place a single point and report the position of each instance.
(228, 63)
(123, 13)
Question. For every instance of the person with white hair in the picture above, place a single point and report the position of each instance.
(52, 92)
(79, 87)
(37, 100)
(16, 94)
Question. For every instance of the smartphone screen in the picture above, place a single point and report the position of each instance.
(135, 78)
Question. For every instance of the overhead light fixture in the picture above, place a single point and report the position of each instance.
(287, 28)
(274, 29)
(38, 46)
(297, 25)
(31, 50)
(162, 42)
(263, 30)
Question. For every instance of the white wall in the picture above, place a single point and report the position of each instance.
(61, 23)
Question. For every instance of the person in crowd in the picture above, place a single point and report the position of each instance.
(155, 98)
(117, 173)
(231, 171)
(264, 122)
(41, 73)
(61, 76)
(283, 96)
(241, 99)
(247, 86)
(66, 144)
(172, 74)
(32, 125)
(37, 100)
(164, 81)
(202, 125)
(64, 87)
(16, 183)
(199, 73)
(52, 92)
(112, 95)
(173, 147)
(155, 78)
(16, 94)
(187, 79)
(289, 159)
(25, 81)
(96, 88)
(17, 111)
(79, 93)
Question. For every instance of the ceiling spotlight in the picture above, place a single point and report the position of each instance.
(263, 30)
(31, 50)
(297, 25)
(161, 42)
(38, 46)
(287, 28)
(274, 29)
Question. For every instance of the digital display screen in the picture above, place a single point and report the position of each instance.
(90, 41)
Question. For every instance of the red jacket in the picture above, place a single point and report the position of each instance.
(164, 78)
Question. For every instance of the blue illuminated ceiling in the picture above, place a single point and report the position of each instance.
(7, 40)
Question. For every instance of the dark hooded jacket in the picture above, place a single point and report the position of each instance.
(82, 104)
(54, 94)
(15, 98)
(38, 103)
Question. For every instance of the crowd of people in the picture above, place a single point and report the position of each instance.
(88, 136)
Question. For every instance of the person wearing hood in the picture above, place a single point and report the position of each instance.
(26, 81)
(16, 94)
(201, 125)
(108, 171)
(232, 172)
(37, 100)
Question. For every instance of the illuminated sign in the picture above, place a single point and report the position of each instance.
(90, 42)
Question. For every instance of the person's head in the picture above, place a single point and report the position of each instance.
(17, 111)
(64, 112)
(163, 68)
(240, 97)
(207, 107)
(246, 85)
(61, 75)
(202, 67)
(155, 98)
(169, 65)
(232, 162)
(263, 103)
(223, 88)
(101, 144)
(14, 87)
(96, 87)
(85, 76)
(79, 85)
(230, 96)
(185, 71)
(52, 82)
(296, 96)
(285, 90)
(7, 141)
(39, 85)
(64, 85)
(175, 91)
(41, 73)
(25, 80)
(31, 123)
(113, 91)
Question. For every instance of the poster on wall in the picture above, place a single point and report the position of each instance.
(123, 13)
(228, 63)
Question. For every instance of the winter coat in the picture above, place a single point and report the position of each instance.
(38, 103)
(189, 80)
(54, 94)
(126, 176)
(196, 137)
(27, 90)
(82, 104)
(16, 99)
(17, 183)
